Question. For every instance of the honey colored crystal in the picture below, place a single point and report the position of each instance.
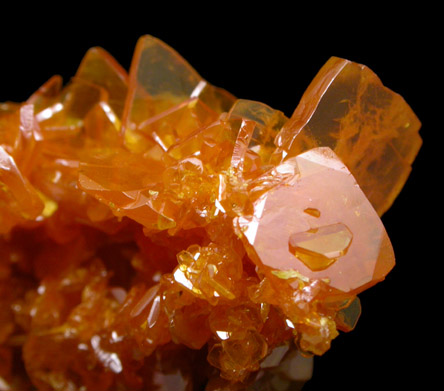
(371, 128)
(158, 232)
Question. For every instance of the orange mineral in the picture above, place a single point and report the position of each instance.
(158, 233)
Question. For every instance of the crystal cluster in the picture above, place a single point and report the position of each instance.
(158, 233)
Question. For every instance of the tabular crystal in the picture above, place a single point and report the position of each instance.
(156, 232)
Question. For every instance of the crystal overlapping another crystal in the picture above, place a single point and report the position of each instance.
(152, 221)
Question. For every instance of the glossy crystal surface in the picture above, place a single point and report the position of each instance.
(158, 233)
(371, 128)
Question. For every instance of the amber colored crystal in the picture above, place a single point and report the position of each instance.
(158, 233)
(371, 128)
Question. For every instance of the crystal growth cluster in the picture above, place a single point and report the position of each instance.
(158, 233)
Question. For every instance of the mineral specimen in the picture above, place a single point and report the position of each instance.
(158, 233)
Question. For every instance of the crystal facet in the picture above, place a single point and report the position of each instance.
(157, 232)
(371, 128)
(347, 244)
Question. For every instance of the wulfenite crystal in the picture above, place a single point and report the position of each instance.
(158, 232)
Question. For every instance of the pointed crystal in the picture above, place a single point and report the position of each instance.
(371, 128)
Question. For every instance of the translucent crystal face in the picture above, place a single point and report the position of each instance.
(319, 247)
(340, 240)
(156, 232)
(371, 128)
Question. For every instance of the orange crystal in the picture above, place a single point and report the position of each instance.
(158, 232)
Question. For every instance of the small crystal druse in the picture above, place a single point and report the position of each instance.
(158, 233)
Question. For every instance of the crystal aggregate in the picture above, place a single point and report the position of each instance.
(158, 233)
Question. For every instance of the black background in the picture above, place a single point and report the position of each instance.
(272, 58)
